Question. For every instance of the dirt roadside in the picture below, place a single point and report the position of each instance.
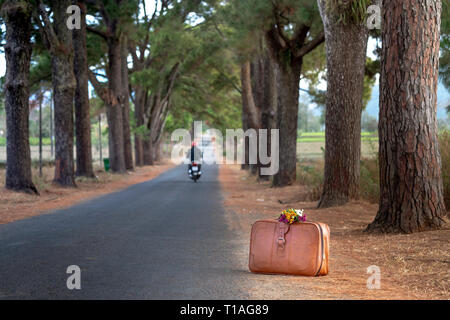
(412, 266)
(16, 206)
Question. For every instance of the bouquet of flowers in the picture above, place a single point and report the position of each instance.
(291, 216)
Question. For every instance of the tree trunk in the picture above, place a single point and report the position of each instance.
(140, 95)
(287, 115)
(245, 127)
(148, 151)
(125, 102)
(269, 102)
(158, 110)
(157, 153)
(411, 190)
(18, 50)
(82, 115)
(114, 109)
(257, 81)
(250, 114)
(345, 83)
(64, 85)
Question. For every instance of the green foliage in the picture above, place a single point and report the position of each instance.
(369, 184)
(444, 71)
(314, 65)
(97, 106)
(368, 123)
(40, 72)
(444, 62)
(349, 11)
(34, 122)
(307, 120)
(250, 20)
(444, 145)
(206, 85)
(310, 174)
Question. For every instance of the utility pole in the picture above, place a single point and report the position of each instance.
(51, 125)
(41, 97)
(100, 137)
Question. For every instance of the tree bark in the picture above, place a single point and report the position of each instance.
(287, 116)
(114, 110)
(245, 127)
(250, 113)
(64, 85)
(139, 106)
(125, 102)
(411, 190)
(257, 80)
(269, 102)
(247, 95)
(148, 150)
(82, 116)
(18, 48)
(344, 100)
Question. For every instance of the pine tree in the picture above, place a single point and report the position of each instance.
(82, 115)
(292, 29)
(18, 48)
(344, 98)
(59, 41)
(411, 190)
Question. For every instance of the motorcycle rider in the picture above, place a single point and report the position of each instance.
(196, 156)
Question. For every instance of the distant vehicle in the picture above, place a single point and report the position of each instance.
(195, 155)
(194, 171)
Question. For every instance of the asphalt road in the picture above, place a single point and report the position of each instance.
(163, 239)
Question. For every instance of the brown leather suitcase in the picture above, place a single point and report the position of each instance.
(297, 249)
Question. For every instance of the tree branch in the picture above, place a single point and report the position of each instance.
(311, 45)
(102, 34)
(102, 91)
(45, 26)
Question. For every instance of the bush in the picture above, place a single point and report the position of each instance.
(444, 145)
(311, 175)
(369, 183)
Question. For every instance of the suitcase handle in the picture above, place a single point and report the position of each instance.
(282, 230)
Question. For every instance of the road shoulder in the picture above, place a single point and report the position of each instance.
(408, 269)
(17, 206)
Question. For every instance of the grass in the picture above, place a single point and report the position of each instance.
(320, 136)
(33, 141)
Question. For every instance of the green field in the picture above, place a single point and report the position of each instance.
(320, 137)
(311, 145)
(33, 141)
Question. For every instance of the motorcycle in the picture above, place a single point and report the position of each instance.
(194, 171)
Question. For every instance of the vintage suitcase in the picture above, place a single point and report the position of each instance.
(297, 249)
